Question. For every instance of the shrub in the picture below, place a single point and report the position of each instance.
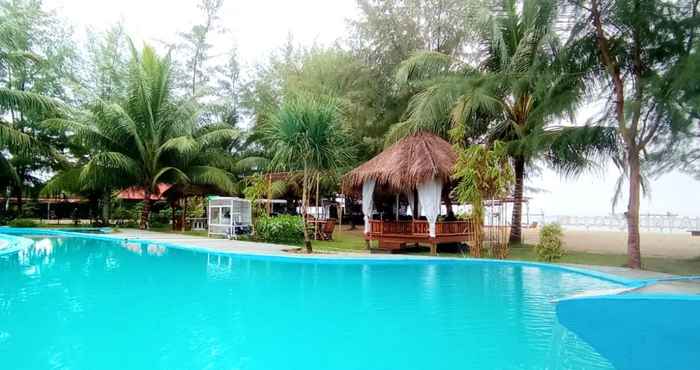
(23, 222)
(158, 225)
(280, 229)
(161, 217)
(551, 247)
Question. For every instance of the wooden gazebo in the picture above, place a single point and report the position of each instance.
(416, 170)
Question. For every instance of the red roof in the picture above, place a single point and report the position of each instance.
(137, 192)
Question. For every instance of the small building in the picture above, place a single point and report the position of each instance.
(415, 172)
(229, 216)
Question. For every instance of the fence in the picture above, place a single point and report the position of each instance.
(648, 222)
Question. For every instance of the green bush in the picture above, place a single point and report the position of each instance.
(280, 229)
(162, 217)
(551, 247)
(23, 222)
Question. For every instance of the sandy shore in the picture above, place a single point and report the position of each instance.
(674, 245)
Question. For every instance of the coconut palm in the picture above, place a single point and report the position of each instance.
(13, 140)
(306, 135)
(522, 86)
(150, 138)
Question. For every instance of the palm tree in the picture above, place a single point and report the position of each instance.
(523, 85)
(13, 140)
(150, 138)
(306, 135)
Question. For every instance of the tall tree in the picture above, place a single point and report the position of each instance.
(305, 135)
(387, 32)
(107, 64)
(226, 107)
(644, 52)
(522, 87)
(151, 137)
(198, 46)
(37, 58)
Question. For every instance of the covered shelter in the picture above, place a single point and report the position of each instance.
(138, 193)
(229, 216)
(418, 170)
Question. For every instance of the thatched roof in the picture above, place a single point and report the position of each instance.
(409, 162)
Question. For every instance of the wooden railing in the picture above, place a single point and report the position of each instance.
(420, 227)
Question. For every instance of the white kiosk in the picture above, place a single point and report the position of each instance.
(229, 216)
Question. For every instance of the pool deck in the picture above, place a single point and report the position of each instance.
(239, 246)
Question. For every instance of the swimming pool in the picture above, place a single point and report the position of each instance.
(86, 303)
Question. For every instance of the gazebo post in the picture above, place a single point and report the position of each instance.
(397, 207)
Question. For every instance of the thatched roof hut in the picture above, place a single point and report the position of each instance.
(401, 167)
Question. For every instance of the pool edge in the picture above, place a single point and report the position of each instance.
(330, 258)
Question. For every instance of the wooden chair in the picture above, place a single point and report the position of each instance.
(327, 229)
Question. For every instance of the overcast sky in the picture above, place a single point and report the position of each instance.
(259, 26)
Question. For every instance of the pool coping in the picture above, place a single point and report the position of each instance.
(332, 258)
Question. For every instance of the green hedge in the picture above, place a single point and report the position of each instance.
(23, 222)
(280, 229)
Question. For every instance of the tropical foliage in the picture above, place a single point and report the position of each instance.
(550, 247)
(482, 174)
(644, 52)
(306, 136)
(150, 138)
(523, 86)
(503, 80)
(280, 229)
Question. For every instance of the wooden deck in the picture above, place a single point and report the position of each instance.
(394, 235)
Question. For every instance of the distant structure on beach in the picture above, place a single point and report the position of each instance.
(667, 222)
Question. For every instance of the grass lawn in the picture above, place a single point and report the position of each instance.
(352, 241)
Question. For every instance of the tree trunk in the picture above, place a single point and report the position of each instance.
(17, 189)
(516, 222)
(183, 216)
(304, 206)
(318, 214)
(634, 258)
(146, 212)
(106, 200)
(173, 215)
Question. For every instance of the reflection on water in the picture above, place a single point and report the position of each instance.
(134, 248)
(83, 304)
(155, 250)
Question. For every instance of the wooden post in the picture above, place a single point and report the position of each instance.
(433, 247)
(340, 218)
(397, 207)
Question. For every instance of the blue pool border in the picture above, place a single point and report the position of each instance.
(292, 258)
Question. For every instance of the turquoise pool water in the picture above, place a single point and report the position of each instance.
(80, 303)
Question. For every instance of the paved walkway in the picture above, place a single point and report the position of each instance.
(246, 247)
(199, 242)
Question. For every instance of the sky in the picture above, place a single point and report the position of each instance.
(258, 27)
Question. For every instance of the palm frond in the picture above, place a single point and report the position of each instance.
(207, 175)
(13, 139)
(26, 101)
